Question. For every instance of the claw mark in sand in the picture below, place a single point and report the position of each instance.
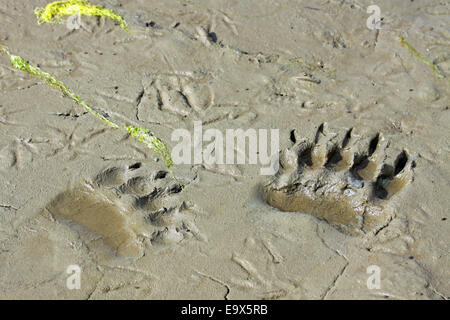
(127, 207)
(339, 182)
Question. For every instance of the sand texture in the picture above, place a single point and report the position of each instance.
(364, 136)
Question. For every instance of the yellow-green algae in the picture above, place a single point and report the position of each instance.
(143, 135)
(55, 11)
(422, 58)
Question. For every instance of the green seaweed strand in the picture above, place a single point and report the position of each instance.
(422, 58)
(55, 11)
(142, 135)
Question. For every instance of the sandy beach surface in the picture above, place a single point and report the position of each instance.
(74, 192)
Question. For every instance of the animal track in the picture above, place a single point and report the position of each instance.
(178, 95)
(125, 207)
(72, 143)
(340, 181)
(174, 98)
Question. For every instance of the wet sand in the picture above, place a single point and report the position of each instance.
(289, 65)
